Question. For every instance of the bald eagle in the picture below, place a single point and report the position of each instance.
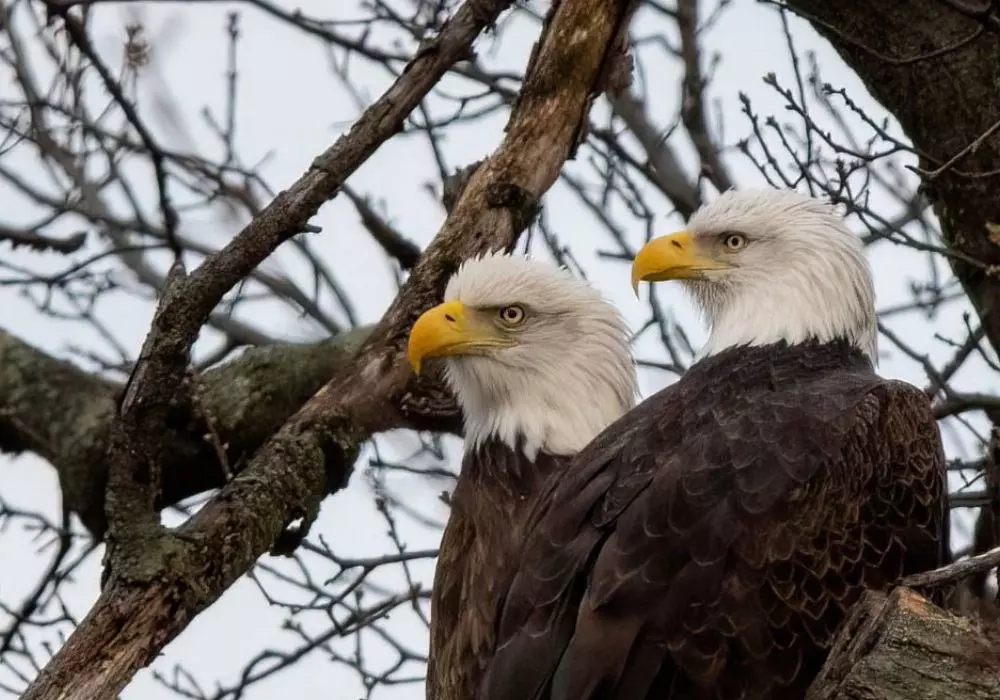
(539, 364)
(707, 545)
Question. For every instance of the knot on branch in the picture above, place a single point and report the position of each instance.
(340, 452)
(149, 554)
(522, 206)
(455, 184)
(294, 534)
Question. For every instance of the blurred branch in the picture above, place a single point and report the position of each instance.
(669, 175)
(78, 34)
(693, 112)
(960, 403)
(403, 251)
(40, 242)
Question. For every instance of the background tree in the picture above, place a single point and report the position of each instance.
(175, 299)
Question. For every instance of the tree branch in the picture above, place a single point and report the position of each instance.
(40, 242)
(248, 399)
(314, 451)
(693, 112)
(667, 172)
(954, 572)
(395, 245)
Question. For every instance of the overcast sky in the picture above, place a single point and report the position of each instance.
(292, 109)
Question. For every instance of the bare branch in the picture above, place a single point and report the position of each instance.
(954, 572)
(40, 242)
(405, 252)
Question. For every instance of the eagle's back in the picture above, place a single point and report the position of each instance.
(496, 488)
(707, 545)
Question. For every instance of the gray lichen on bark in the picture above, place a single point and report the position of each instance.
(63, 413)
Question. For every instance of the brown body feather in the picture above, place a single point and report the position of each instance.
(497, 488)
(707, 546)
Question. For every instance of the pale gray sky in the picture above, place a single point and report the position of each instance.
(291, 108)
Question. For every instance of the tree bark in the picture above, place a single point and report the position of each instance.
(160, 587)
(246, 400)
(935, 65)
(902, 647)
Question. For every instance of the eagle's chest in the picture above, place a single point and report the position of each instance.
(495, 493)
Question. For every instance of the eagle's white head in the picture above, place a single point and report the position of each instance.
(536, 357)
(766, 265)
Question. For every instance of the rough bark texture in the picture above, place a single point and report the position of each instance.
(154, 590)
(902, 647)
(935, 65)
(246, 401)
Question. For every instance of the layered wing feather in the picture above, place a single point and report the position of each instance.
(706, 546)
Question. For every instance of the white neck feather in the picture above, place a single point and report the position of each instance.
(794, 310)
(556, 403)
(804, 277)
(569, 376)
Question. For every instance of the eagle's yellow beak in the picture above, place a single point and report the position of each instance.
(450, 329)
(671, 257)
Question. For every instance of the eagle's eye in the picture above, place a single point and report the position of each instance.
(512, 315)
(734, 241)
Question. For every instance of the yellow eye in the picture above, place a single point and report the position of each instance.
(735, 241)
(512, 315)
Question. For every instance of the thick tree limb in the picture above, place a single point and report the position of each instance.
(902, 647)
(73, 438)
(247, 400)
(160, 391)
(930, 64)
(314, 451)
